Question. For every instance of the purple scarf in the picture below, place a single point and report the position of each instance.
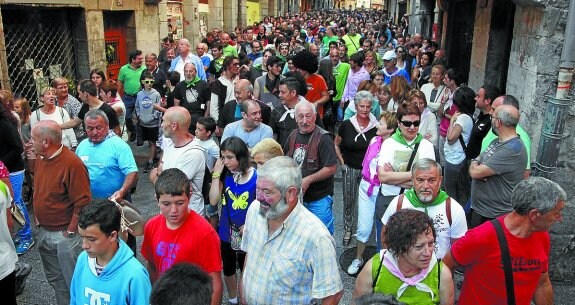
(372, 151)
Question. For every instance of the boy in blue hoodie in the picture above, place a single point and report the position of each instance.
(106, 271)
(148, 111)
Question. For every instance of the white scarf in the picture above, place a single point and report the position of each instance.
(290, 112)
(391, 264)
(361, 132)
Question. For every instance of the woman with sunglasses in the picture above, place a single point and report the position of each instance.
(394, 166)
(401, 56)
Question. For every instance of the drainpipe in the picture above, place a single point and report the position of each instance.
(557, 107)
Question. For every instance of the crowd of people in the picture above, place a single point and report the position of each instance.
(245, 137)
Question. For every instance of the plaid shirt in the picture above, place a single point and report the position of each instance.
(295, 265)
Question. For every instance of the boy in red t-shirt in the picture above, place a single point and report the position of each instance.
(179, 234)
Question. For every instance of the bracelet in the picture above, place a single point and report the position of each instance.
(216, 176)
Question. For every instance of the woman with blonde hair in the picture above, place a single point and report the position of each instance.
(399, 88)
(50, 111)
(370, 62)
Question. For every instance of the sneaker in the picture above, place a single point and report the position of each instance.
(355, 266)
(148, 167)
(22, 272)
(139, 142)
(24, 246)
(132, 137)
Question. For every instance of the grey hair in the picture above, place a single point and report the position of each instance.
(50, 130)
(184, 40)
(507, 118)
(362, 95)
(425, 164)
(304, 103)
(96, 113)
(536, 193)
(284, 172)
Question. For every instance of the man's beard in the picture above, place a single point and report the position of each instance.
(425, 198)
(275, 211)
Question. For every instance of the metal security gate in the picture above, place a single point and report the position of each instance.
(39, 47)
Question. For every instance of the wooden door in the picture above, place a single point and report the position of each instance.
(116, 55)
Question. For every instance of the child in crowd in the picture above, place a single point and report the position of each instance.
(148, 111)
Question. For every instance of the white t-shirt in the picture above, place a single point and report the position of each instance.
(454, 152)
(189, 159)
(398, 155)
(438, 214)
(60, 117)
(8, 257)
(212, 151)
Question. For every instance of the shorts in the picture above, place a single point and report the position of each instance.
(150, 134)
(231, 259)
(211, 210)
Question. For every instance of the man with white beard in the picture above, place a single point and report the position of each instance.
(426, 196)
(277, 226)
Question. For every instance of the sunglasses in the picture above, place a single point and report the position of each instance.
(148, 81)
(409, 123)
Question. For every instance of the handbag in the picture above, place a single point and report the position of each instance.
(380, 202)
(235, 235)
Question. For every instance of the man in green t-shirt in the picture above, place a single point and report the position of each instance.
(129, 86)
(229, 50)
(329, 37)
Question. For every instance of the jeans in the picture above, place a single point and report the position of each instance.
(17, 179)
(130, 103)
(322, 208)
(59, 255)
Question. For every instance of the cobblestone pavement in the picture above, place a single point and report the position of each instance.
(39, 292)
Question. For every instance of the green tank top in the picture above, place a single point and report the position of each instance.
(388, 283)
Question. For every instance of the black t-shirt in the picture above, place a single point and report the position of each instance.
(326, 157)
(481, 127)
(194, 99)
(284, 128)
(108, 110)
(352, 146)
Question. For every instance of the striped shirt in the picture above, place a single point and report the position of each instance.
(295, 265)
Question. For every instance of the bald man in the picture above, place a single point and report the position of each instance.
(181, 153)
(231, 112)
(498, 169)
(62, 188)
(229, 50)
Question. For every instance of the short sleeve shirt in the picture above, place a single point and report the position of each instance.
(194, 242)
(108, 110)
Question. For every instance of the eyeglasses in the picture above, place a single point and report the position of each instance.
(409, 123)
(148, 81)
(237, 64)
